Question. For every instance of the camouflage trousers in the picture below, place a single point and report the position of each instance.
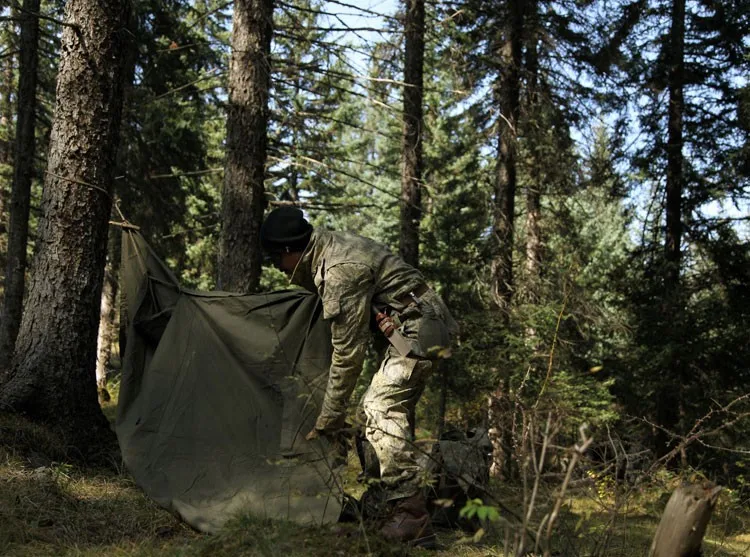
(389, 405)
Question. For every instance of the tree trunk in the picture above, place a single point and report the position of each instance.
(108, 329)
(6, 154)
(243, 198)
(674, 145)
(533, 235)
(23, 169)
(411, 165)
(534, 242)
(683, 524)
(508, 93)
(6, 98)
(52, 374)
(669, 395)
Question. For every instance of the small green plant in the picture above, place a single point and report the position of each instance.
(477, 508)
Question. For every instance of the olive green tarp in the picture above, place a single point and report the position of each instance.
(217, 393)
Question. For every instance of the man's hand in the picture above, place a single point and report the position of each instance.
(326, 427)
(385, 323)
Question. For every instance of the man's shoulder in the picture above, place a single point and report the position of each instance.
(339, 239)
(347, 247)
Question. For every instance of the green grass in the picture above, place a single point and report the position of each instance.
(50, 507)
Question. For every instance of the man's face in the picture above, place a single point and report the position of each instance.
(275, 259)
(285, 261)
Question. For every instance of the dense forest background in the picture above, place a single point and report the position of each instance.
(572, 176)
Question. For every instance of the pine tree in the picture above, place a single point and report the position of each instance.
(309, 85)
(681, 61)
(8, 61)
(23, 169)
(52, 374)
(169, 163)
(243, 198)
(411, 166)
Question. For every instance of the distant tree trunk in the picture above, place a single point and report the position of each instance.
(669, 394)
(534, 241)
(413, 128)
(674, 145)
(108, 329)
(534, 235)
(507, 92)
(6, 101)
(6, 153)
(53, 369)
(6, 90)
(23, 169)
(683, 524)
(243, 198)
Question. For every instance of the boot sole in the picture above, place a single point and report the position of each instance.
(427, 542)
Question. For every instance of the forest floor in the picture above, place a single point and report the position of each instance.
(50, 507)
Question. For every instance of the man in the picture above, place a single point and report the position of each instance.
(353, 275)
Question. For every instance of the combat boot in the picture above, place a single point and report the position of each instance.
(410, 523)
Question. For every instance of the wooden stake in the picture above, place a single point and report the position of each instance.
(683, 524)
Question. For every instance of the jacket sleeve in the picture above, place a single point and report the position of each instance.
(346, 294)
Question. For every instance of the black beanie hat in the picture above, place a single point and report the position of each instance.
(285, 229)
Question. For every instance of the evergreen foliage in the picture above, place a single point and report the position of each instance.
(675, 341)
(170, 161)
(593, 328)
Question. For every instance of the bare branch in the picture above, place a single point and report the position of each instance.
(362, 10)
(697, 434)
(578, 451)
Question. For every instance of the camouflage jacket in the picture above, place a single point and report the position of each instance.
(350, 273)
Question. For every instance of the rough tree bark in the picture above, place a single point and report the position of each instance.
(411, 158)
(683, 524)
(669, 394)
(23, 169)
(507, 92)
(243, 199)
(52, 372)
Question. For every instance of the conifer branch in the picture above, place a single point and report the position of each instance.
(189, 173)
(209, 13)
(362, 10)
(333, 46)
(351, 125)
(345, 29)
(322, 204)
(341, 89)
(346, 77)
(20, 9)
(316, 163)
(216, 73)
(379, 168)
(367, 13)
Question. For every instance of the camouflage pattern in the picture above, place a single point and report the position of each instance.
(350, 273)
(389, 402)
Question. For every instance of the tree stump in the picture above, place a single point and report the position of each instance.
(683, 524)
